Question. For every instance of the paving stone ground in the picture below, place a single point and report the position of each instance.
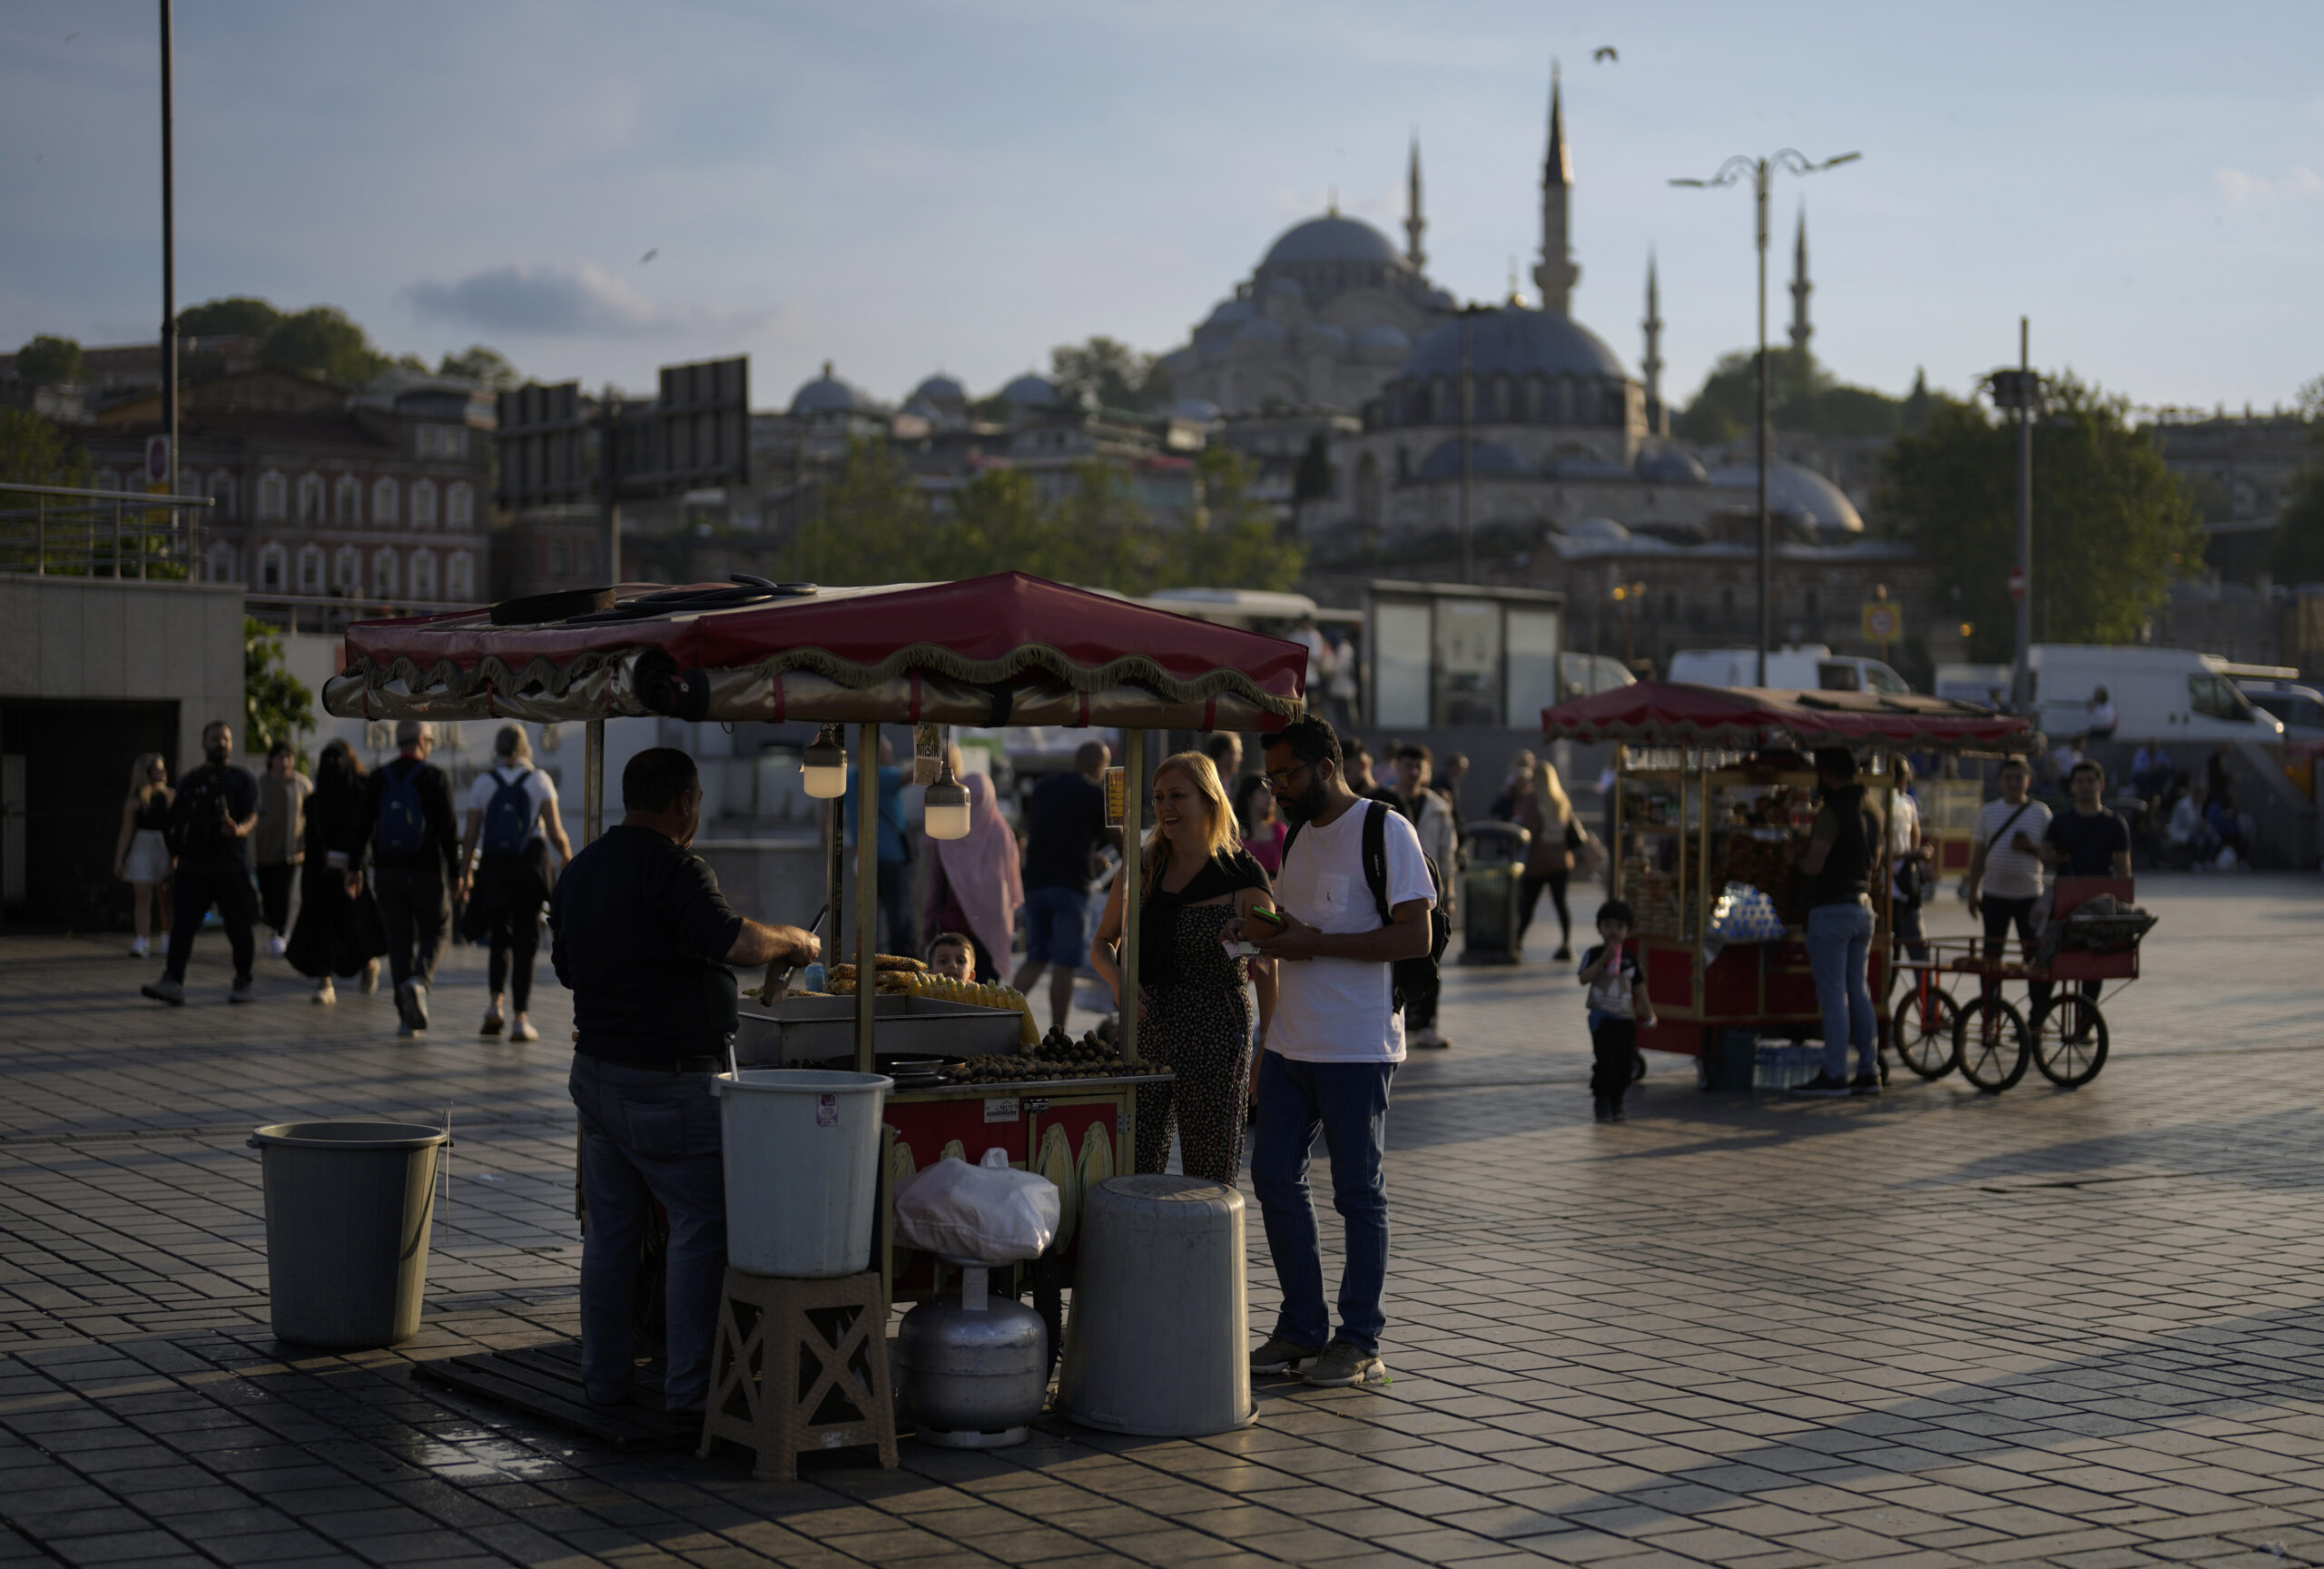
(2079, 1328)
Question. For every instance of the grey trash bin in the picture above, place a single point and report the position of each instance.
(1157, 1343)
(348, 1207)
(1490, 886)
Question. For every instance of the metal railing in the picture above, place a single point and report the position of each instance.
(74, 533)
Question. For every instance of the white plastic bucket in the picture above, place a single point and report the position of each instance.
(802, 1169)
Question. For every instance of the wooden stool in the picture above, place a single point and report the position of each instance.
(800, 1365)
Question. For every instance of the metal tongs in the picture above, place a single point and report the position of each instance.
(777, 983)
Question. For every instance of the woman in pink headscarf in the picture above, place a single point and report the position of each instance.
(974, 885)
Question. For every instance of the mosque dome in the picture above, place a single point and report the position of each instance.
(1229, 313)
(1599, 531)
(1798, 490)
(1486, 460)
(1330, 237)
(921, 409)
(940, 390)
(1033, 391)
(1384, 344)
(1669, 466)
(1261, 331)
(1324, 335)
(1286, 286)
(1516, 341)
(827, 394)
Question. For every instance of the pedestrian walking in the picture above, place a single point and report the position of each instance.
(1333, 1048)
(1617, 1010)
(1225, 750)
(1534, 798)
(1194, 1010)
(210, 821)
(1065, 833)
(2005, 881)
(1908, 860)
(1836, 873)
(974, 882)
(512, 823)
(339, 934)
(1431, 820)
(279, 845)
(415, 866)
(642, 938)
(141, 855)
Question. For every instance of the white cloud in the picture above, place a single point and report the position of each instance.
(2295, 183)
(519, 299)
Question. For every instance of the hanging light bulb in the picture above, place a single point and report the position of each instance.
(825, 765)
(946, 804)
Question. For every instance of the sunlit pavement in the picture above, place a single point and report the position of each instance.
(1934, 1327)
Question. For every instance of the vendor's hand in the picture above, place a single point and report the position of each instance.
(1976, 906)
(806, 951)
(1646, 1020)
(1295, 938)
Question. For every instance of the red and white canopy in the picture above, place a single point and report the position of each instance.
(1006, 649)
(1681, 713)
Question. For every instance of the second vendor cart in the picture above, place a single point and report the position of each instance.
(1714, 788)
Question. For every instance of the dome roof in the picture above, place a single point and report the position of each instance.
(940, 389)
(1229, 312)
(1669, 466)
(1326, 334)
(1793, 487)
(827, 394)
(1331, 238)
(1033, 391)
(1486, 458)
(1384, 344)
(1518, 342)
(921, 409)
(1289, 286)
(1262, 332)
(1601, 530)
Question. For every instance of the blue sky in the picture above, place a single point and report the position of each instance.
(902, 187)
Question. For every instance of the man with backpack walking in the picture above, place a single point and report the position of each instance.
(210, 824)
(512, 818)
(415, 866)
(1357, 936)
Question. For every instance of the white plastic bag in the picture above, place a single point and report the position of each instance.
(988, 1213)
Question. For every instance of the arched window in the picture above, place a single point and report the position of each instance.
(346, 570)
(222, 491)
(384, 576)
(222, 563)
(423, 503)
(459, 505)
(347, 502)
(310, 498)
(384, 508)
(271, 493)
(271, 566)
(423, 575)
(459, 578)
(311, 569)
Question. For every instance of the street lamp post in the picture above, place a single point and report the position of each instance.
(1762, 171)
(2021, 389)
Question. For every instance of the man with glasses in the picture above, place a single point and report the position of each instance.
(1332, 1047)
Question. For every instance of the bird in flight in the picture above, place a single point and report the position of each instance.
(649, 256)
(1605, 52)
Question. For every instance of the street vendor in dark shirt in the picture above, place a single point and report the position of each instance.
(642, 938)
(2090, 840)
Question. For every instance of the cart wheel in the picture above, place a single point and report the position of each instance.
(1637, 1066)
(1989, 1043)
(1920, 1031)
(2069, 1041)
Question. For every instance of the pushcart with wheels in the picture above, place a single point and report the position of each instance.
(2064, 1036)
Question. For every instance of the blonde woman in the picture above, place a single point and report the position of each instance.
(1535, 799)
(1195, 1015)
(140, 856)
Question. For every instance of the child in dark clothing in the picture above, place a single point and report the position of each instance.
(1617, 1006)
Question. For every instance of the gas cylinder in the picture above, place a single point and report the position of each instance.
(974, 1368)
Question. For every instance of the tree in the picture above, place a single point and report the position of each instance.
(276, 704)
(322, 341)
(2298, 555)
(240, 315)
(1802, 397)
(1110, 375)
(47, 360)
(2111, 524)
(1234, 543)
(35, 452)
(477, 363)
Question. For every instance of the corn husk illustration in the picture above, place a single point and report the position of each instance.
(954, 1151)
(1097, 1157)
(1056, 1163)
(900, 1168)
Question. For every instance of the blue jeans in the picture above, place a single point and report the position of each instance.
(1839, 941)
(1348, 1102)
(1057, 926)
(649, 1135)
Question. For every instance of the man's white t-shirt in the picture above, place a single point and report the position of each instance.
(2012, 873)
(1903, 827)
(1342, 1010)
(538, 785)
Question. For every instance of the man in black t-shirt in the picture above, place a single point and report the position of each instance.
(210, 824)
(642, 938)
(2091, 840)
(1065, 827)
(416, 866)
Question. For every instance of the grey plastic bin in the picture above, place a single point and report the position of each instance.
(348, 1208)
(1156, 1344)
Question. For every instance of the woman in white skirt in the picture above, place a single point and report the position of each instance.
(142, 857)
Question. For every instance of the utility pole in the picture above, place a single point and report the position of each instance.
(1468, 549)
(170, 288)
(609, 469)
(2022, 675)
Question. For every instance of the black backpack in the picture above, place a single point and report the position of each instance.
(193, 831)
(1415, 976)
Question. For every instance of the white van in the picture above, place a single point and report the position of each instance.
(1795, 667)
(2159, 693)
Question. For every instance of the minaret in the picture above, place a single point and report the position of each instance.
(1651, 366)
(1556, 274)
(1413, 222)
(1800, 330)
